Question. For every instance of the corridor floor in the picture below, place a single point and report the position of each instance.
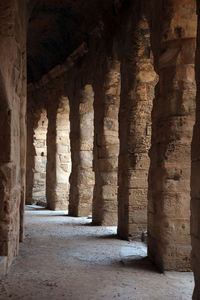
(67, 258)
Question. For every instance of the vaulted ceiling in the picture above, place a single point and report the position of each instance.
(57, 27)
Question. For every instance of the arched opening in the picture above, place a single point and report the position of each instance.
(49, 155)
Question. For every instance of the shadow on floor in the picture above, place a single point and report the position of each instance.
(138, 263)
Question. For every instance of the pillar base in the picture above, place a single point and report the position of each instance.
(3, 266)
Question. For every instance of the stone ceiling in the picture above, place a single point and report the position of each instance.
(57, 27)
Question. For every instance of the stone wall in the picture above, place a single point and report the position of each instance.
(195, 175)
(12, 125)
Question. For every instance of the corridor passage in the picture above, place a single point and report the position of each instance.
(67, 258)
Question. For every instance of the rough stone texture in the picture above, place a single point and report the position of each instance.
(92, 64)
(58, 154)
(23, 142)
(12, 124)
(34, 112)
(40, 158)
(82, 135)
(50, 94)
(63, 154)
(195, 174)
(173, 42)
(138, 82)
(106, 144)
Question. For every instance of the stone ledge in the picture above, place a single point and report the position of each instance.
(3, 266)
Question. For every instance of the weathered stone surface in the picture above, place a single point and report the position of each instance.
(106, 144)
(173, 119)
(82, 177)
(58, 155)
(39, 177)
(195, 172)
(37, 155)
(12, 124)
(113, 65)
(138, 81)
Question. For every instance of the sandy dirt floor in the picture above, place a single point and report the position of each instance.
(67, 258)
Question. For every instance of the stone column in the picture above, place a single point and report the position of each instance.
(195, 175)
(82, 135)
(63, 154)
(36, 154)
(51, 156)
(174, 42)
(137, 92)
(58, 155)
(40, 158)
(30, 149)
(23, 140)
(106, 144)
(5, 171)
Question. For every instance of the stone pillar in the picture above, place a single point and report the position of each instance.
(36, 154)
(63, 154)
(51, 156)
(174, 42)
(23, 140)
(195, 175)
(5, 172)
(82, 135)
(106, 145)
(58, 155)
(137, 92)
(40, 158)
(30, 150)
